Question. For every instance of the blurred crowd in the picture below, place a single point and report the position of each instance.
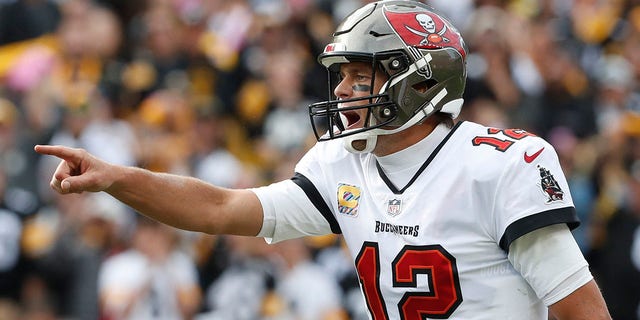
(218, 89)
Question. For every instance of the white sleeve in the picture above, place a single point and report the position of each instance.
(531, 195)
(551, 261)
(289, 213)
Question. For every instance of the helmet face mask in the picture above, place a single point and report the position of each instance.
(420, 53)
(380, 109)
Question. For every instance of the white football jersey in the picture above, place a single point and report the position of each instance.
(435, 246)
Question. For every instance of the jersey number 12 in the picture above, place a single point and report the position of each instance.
(443, 297)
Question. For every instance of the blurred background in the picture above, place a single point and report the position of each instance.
(218, 89)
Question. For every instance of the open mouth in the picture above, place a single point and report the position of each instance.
(349, 119)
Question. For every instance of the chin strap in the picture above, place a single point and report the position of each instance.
(369, 142)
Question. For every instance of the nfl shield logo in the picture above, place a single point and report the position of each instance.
(393, 207)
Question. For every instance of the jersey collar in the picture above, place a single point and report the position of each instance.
(406, 165)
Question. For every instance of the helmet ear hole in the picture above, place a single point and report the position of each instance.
(423, 86)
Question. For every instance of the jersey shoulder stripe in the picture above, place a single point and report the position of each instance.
(314, 196)
(539, 220)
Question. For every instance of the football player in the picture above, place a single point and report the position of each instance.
(443, 220)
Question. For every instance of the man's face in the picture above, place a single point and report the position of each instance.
(356, 82)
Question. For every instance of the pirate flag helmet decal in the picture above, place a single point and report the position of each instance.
(425, 30)
(420, 52)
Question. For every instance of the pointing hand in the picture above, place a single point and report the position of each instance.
(78, 171)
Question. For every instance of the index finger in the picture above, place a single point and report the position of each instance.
(61, 152)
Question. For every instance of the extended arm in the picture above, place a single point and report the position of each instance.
(179, 201)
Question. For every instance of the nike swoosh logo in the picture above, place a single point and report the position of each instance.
(530, 158)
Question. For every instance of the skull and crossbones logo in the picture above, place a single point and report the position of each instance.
(431, 35)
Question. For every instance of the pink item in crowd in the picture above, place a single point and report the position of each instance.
(30, 68)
